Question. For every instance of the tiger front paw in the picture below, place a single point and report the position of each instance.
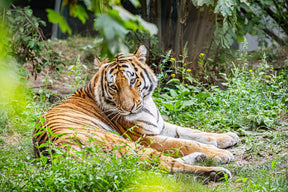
(219, 155)
(226, 140)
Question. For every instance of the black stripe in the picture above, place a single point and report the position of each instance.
(147, 111)
(43, 138)
(89, 90)
(177, 134)
(109, 102)
(102, 83)
(113, 64)
(136, 69)
(147, 75)
(111, 70)
(145, 87)
(125, 66)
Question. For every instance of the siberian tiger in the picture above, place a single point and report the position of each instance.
(118, 99)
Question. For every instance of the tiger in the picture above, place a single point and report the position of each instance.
(116, 109)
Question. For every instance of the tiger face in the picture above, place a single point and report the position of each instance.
(126, 83)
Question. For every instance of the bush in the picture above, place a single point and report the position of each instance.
(26, 39)
(251, 99)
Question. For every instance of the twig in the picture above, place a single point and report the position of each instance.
(36, 28)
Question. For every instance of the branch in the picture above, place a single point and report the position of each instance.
(40, 33)
(280, 21)
(267, 31)
(280, 9)
(274, 36)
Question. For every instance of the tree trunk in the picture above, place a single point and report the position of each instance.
(198, 33)
(158, 22)
(179, 27)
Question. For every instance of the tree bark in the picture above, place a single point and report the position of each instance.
(179, 27)
(158, 22)
(198, 33)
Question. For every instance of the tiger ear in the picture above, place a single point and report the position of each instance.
(141, 54)
(98, 63)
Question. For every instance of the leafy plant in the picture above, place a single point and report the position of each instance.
(252, 99)
(79, 71)
(26, 39)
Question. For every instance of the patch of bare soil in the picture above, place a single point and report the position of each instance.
(61, 82)
(260, 150)
(11, 140)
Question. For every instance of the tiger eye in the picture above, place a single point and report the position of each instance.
(132, 81)
(113, 87)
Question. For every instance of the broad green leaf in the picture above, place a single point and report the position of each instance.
(173, 93)
(135, 3)
(168, 106)
(187, 103)
(116, 46)
(178, 104)
(173, 80)
(225, 7)
(152, 28)
(133, 20)
(110, 30)
(200, 3)
(55, 17)
(81, 13)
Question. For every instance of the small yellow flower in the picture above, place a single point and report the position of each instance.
(188, 70)
(250, 70)
(171, 98)
(202, 103)
(186, 84)
(172, 59)
(272, 68)
(201, 54)
(172, 75)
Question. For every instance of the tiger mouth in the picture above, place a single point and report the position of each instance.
(134, 110)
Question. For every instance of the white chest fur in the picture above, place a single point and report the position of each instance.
(149, 118)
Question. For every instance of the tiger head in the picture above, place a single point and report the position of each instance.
(125, 83)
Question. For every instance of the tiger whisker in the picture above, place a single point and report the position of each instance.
(118, 117)
(109, 110)
(112, 113)
(118, 114)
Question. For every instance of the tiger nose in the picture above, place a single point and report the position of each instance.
(129, 109)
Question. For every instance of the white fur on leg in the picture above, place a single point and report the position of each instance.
(192, 158)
